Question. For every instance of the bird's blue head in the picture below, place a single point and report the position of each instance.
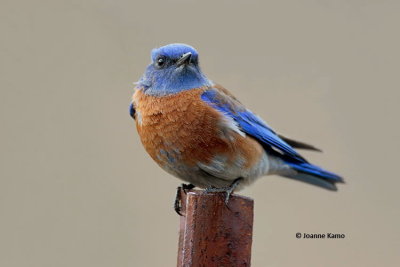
(174, 68)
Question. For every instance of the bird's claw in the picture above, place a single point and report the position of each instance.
(227, 190)
(178, 198)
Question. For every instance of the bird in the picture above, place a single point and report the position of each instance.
(199, 132)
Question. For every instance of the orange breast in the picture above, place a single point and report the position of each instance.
(188, 129)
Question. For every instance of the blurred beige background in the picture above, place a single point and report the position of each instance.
(78, 189)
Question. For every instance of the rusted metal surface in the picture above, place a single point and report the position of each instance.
(213, 234)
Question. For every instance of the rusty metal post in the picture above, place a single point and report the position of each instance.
(212, 234)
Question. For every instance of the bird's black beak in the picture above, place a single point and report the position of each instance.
(185, 59)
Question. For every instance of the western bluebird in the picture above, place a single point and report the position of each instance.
(199, 132)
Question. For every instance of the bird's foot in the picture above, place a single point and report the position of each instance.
(178, 198)
(228, 190)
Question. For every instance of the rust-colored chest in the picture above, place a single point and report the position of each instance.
(179, 127)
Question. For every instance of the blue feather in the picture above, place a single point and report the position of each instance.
(132, 110)
(308, 168)
(251, 124)
(256, 127)
(171, 78)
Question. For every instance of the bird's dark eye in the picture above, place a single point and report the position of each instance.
(160, 61)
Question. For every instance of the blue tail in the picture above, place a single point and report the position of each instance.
(315, 175)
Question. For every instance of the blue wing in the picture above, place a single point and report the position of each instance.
(132, 110)
(249, 122)
(220, 99)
